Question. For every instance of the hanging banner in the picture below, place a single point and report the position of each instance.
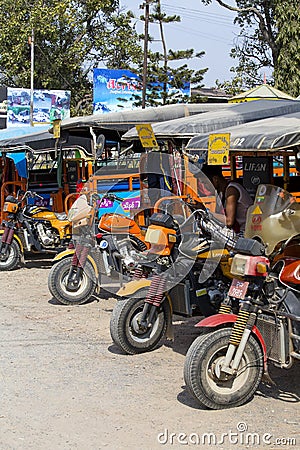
(146, 135)
(257, 170)
(218, 149)
(56, 128)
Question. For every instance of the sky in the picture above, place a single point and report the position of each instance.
(203, 28)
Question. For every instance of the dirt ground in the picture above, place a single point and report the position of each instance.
(64, 385)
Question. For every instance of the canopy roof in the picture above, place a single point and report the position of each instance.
(77, 130)
(14, 132)
(124, 120)
(261, 92)
(44, 141)
(228, 116)
(274, 133)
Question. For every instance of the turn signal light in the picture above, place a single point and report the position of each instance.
(261, 268)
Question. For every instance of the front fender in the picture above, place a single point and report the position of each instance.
(70, 252)
(63, 255)
(132, 287)
(16, 237)
(221, 320)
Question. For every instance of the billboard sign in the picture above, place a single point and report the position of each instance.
(117, 90)
(114, 90)
(47, 106)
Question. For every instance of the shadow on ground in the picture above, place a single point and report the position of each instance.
(285, 387)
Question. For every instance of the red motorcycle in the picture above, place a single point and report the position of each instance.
(226, 363)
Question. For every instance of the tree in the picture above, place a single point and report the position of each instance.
(286, 73)
(269, 38)
(70, 39)
(161, 74)
(256, 47)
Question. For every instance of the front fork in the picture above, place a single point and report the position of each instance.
(6, 240)
(238, 338)
(77, 266)
(153, 301)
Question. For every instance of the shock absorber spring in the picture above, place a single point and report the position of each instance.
(239, 326)
(10, 236)
(4, 235)
(76, 256)
(83, 256)
(139, 273)
(224, 309)
(156, 290)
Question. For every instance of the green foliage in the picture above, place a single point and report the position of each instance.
(256, 48)
(163, 69)
(286, 73)
(70, 38)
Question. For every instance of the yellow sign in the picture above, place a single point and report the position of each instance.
(56, 128)
(218, 149)
(146, 135)
(257, 210)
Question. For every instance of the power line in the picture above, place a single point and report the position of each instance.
(200, 16)
(196, 11)
(210, 36)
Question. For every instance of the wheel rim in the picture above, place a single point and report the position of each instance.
(137, 334)
(9, 258)
(82, 286)
(217, 380)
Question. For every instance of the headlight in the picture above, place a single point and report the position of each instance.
(156, 236)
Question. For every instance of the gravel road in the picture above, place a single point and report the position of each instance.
(65, 386)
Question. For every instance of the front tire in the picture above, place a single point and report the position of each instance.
(124, 329)
(57, 283)
(202, 370)
(12, 260)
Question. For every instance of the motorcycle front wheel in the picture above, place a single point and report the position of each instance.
(57, 283)
(208, 384)
(12, 258)
(126, 332)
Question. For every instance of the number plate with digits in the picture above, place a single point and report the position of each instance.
(238, 288)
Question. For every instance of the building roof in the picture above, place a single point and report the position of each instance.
(264, 91)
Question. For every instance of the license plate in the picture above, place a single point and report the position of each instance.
(238, 288)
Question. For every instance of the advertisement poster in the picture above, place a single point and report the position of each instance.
(131, 202)
(118, 90)
(218, 148)
(47, 106)
(114, 90)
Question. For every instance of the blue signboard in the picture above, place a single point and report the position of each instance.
(114, 89)
(131, 202)
(117, 90)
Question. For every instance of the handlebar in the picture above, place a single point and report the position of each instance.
(217, 229)
(24, 194)
(113, 197)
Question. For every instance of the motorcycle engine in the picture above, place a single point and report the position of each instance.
(216, 292)
(129, 255)
(45, 235)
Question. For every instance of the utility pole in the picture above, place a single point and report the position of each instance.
(146, 5)
(31, 42)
